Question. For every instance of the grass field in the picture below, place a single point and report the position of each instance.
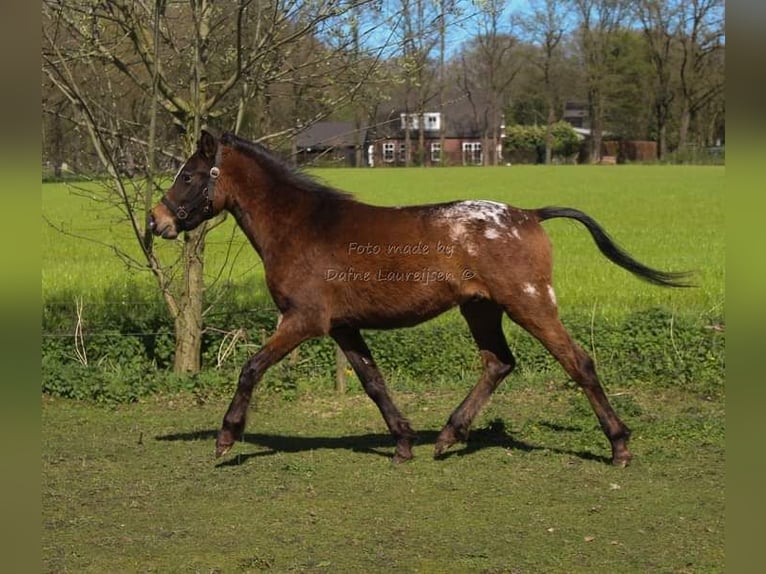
(668, 217)
(311, 488)
(134, 487)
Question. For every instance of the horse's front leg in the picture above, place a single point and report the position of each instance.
(291, 332)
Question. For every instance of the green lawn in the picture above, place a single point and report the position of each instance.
(311, 488)
(669, 217)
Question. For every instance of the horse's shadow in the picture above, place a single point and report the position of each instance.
(378, 444)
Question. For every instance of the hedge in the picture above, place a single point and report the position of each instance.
(129, 352)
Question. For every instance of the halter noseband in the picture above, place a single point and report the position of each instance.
(182, 211)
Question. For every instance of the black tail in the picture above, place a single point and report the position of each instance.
(614, 252)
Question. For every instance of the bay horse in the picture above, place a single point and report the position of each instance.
(334, 266)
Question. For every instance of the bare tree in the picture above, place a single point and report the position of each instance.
(419, 39)
(545, 24)
(194, 64)
(488, 71)
(661, 21)
(701, 70)
(82, 44)
(445, 8)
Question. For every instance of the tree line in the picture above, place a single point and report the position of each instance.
(127, 85)
(642, 70)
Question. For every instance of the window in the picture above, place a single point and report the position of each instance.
(394, 152)
(389, 148)
(472, 153)
(436, 152)
(432, 121)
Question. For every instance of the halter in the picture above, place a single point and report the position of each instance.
(203, 200)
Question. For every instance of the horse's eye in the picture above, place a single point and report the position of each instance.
(187, 178)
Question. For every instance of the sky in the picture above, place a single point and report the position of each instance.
(461, 26)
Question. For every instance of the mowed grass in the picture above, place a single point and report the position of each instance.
(668, 217)
(311, 488)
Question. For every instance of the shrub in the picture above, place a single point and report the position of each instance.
(650, 347)
(527, 143)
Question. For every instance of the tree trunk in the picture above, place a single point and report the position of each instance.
(422, 139)
(407, 140)
(662, 139)
(188, 321)
(549, 134)
(359, 141)
(597, 128)
(683, 129)
(442, 83)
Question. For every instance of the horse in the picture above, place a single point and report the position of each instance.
(334, 266)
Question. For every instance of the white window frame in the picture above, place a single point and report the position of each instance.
(389, 152)
(472, 153)
(432, 121)
(436, 152)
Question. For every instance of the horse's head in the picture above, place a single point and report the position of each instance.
(190, 199)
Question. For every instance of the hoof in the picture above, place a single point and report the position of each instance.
(221, 450)
(622, 461)
(448, 437)
(400, 458)
(442, 446)
(620, 454)
(403, 451)
(223, 443)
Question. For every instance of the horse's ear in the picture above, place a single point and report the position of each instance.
(208, 145)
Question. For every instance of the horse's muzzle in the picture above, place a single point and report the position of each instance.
(162, 224)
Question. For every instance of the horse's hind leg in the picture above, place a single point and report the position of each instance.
(538, 315)
(358, 354)
(484, 319)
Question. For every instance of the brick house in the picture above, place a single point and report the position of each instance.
(463, 142)
(384, 143)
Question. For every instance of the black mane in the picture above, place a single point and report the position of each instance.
(279, 169)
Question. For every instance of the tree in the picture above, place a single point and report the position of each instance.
(545, 24)
(628, 96)
(419, 40)
(598, 21)
(531, 141)
(661, 21)
(701, 70)
(488, 69)
(446, 8)
(194, 64)
(684, 40)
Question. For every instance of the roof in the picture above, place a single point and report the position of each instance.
(459, 118)
(324, 135)
(585, 133)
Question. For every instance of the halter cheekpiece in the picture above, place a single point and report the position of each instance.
(182, 211)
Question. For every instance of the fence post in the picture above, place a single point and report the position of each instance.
(340, 370)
